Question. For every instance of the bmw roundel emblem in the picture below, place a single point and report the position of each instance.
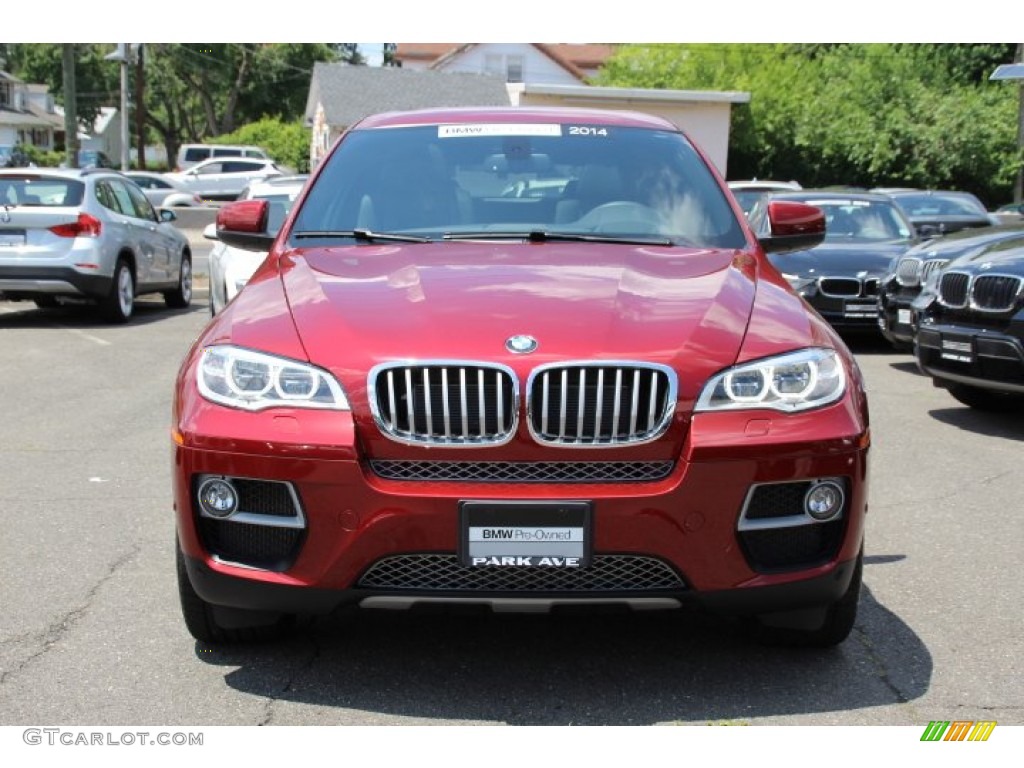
(521, 345)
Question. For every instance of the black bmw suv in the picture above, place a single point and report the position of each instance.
(970, 337)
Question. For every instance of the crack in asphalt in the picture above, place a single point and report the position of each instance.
(963, 489)
(268, 712)
(61, 626)
(880, 665)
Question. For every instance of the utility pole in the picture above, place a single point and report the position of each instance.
(1015, 71)
(70, 107)
(122, 55)
(140, 108)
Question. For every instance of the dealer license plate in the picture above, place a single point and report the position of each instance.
(958, 350)
(525, 534)
(12, 238)
(860, 309)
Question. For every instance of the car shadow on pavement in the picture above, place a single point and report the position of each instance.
(85, 317)
(1007, 425)
(682, 667)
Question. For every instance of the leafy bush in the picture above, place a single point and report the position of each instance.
(287, 143)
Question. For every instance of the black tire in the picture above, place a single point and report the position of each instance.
(119, 303)
(840, 618)
(987, 399)
(181, 296)
(46, 302)
(201, 617)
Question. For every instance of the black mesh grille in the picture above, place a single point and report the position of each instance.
(996, 293)
(870, 286)
(953, 288)
(777, 500)
(841, 286)
(599, 404)
(437, 572)
(262, 497)
(441, 403)
(798, 546)
(259, 546)
(524, 471)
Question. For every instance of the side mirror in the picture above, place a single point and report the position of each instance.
(793, 226)
(167, 215)
(210, 232)
(243, 224)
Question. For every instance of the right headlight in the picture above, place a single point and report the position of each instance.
(795, 381)
(251, 380)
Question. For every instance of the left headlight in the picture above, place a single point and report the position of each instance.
(796, 381)
(253, 381)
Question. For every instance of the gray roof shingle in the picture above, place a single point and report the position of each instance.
(349, 93)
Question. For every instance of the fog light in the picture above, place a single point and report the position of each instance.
(217, 497)
(824, 500)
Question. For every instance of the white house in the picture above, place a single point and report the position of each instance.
(27, 113)
(565, 63)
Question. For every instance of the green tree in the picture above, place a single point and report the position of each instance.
(287, 143)
(862, 114)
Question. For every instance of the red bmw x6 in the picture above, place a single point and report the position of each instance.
(522, 358)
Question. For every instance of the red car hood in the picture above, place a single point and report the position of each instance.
(355, 307)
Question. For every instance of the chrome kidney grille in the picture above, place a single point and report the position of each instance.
(908, 272)
(596, 405)
(995, 293)
(931, 266)
(445, 403)
(953, 289)
(848, 287)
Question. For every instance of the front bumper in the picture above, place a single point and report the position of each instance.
(980, 357)
(686, 522)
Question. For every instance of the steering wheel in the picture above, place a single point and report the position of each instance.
(622, 215)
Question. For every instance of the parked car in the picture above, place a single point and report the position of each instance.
(88, 234)
(217, 179)
(231, 268)
(921, 265)
(192, 154)
(970, 338)
(747, 193)
(431, 393)
(13, 156)
(840, 277)
(936, 212)
(163, 192)
(94, 158)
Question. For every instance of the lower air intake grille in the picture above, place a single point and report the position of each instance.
(608, 573)
(798, 546)
(524, 471)
(258, 546)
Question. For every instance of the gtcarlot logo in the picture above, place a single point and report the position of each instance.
(958, 730)
(71, 738)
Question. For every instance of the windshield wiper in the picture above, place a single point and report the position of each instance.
(543, 236)
(362, 235)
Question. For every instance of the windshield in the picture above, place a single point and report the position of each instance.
(433, 181)
(927, 204)
(862, 221)
(280, 203)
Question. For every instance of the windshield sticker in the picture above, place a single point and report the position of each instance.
(498, 129)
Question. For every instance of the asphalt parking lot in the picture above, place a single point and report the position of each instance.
(92, 632)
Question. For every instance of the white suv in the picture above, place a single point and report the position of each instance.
(191, 154)
(224, 179)
(231, 268)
